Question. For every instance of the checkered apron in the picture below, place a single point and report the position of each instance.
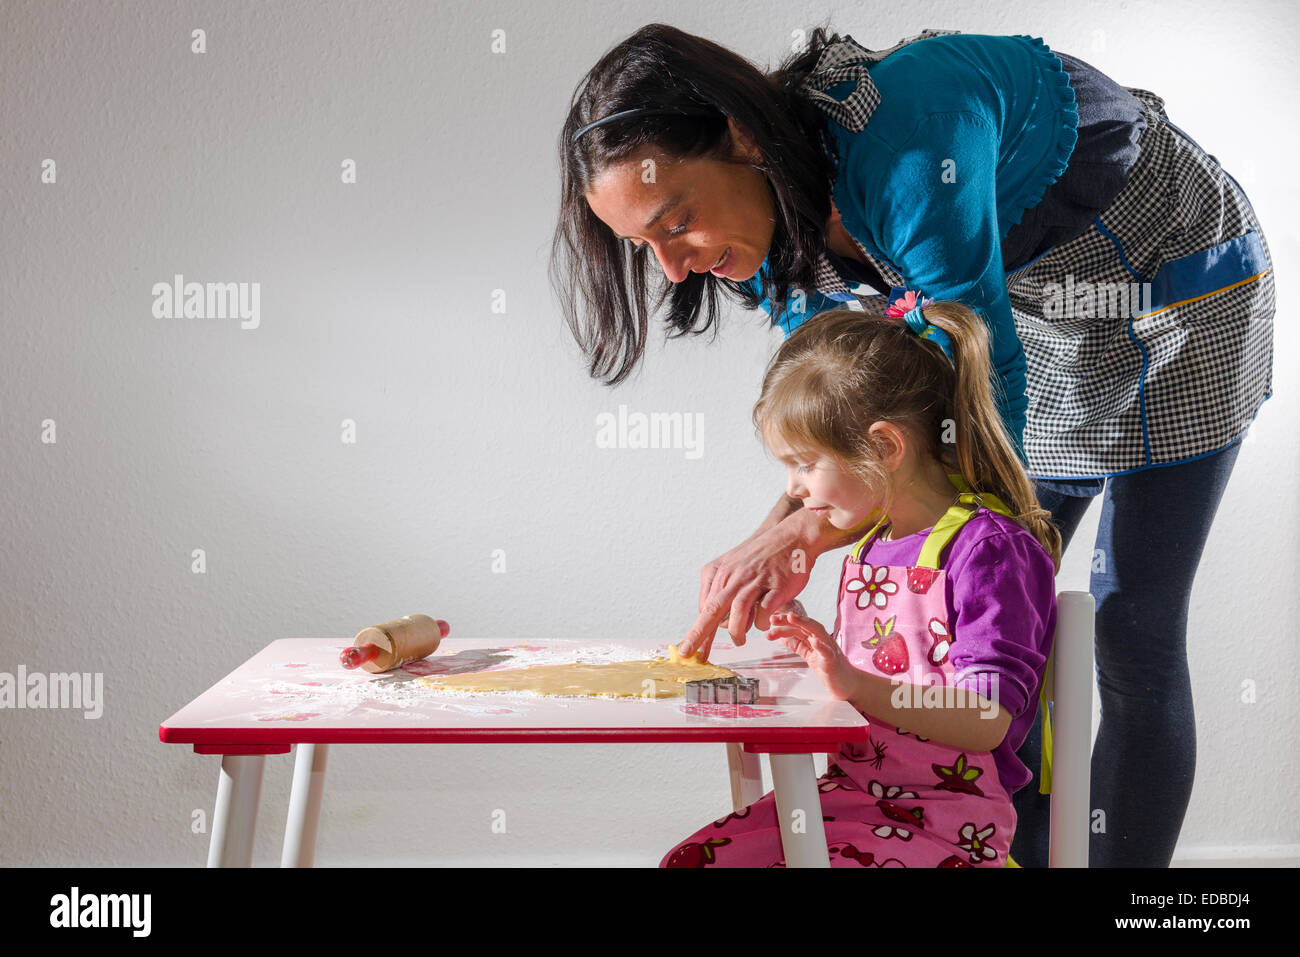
(1149, 337)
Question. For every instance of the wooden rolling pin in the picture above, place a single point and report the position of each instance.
(390, 645)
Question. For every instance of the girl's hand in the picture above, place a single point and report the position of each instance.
(808, 639)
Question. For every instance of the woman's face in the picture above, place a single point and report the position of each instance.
(695, 214)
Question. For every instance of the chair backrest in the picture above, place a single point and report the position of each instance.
(1068, 682)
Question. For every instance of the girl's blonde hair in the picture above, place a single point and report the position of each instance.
(844, 369)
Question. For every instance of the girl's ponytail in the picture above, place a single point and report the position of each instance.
(844, 369)
(986, 456)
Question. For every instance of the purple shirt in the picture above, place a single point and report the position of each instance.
(1000, 590)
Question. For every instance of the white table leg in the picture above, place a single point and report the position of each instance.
(304, 806)
(795, 783)
(235, 818)
(746, 776)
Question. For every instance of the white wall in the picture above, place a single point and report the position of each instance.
(476, 430)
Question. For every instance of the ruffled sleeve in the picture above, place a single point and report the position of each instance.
(1056, 100)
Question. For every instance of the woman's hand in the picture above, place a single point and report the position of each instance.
(808, 639)
(758, 575)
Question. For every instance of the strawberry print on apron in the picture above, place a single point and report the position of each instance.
(898, 799)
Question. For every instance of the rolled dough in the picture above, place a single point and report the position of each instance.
(651, 678)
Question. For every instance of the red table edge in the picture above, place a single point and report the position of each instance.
(241, 748)
(279, 740)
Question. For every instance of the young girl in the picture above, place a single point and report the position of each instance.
(947, 605)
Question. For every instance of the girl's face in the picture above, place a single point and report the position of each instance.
(696, 215)
(823, 485)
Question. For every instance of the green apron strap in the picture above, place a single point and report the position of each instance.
(989, 500)
(862, 543)
(1045, 755)
(961, 512)
(968, 503)
(943, 532)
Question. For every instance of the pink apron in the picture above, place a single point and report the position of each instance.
(899, 800)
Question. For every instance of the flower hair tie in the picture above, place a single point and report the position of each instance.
(908, 308)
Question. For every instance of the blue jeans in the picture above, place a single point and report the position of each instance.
(1153, 528)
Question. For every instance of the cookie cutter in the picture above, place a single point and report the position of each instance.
(722, 691)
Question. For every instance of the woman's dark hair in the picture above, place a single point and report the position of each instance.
(603, 282)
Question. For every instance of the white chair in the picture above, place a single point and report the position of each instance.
(1068, 683)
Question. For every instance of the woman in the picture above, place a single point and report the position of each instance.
(1122, 273)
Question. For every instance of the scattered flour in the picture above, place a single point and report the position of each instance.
(399, 689)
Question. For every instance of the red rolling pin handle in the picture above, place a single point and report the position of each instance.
(356, 657)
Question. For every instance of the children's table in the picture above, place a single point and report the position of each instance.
(295, 692)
